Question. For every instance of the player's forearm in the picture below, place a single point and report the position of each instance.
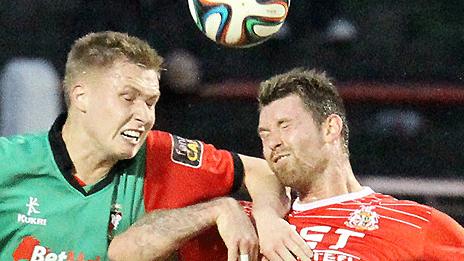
(268, 194)
(158, 234)
(271, 202)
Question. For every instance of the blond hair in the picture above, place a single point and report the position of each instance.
(102, 49)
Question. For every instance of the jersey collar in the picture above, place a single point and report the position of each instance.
(65, 164)
(298, 206)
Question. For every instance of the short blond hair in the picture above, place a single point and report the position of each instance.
(102, 49)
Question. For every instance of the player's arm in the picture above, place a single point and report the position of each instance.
(270, 204)
(158, 234)
(444, 238)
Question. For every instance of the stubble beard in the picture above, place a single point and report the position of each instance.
(299, 175)
(288, 174)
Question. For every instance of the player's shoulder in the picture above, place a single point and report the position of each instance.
(179, 149)
(153, 134)
(393, 202)
(23, 144)
(159, 136)
(388, 203)
(158, 139)
(20, 151)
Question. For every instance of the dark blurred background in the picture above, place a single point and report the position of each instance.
(398, 64)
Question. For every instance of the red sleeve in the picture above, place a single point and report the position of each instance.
(444, 238)
(209, 245)
(181, 172)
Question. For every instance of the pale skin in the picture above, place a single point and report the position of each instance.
(305, 155)
(309, 156)
(105, 105)
(110, 114)
(157, 235)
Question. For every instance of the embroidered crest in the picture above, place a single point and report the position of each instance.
(115, 218)
(364, 218)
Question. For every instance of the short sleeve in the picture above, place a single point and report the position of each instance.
(181, 172)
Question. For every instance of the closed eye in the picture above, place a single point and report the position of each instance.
(263, 133)
(152, 100)
(284, 124)
(150, 103)
(128, 96)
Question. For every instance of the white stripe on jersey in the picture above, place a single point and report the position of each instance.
(403, 204)
(401, 221)
(306, 216)
(390, 209)
(356, 203)
(405, 213)
(353, 200)
(343, 209)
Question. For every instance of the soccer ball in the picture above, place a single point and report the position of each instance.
(239, 23)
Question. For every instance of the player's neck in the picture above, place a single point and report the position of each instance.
(337, 179)
(90, 164)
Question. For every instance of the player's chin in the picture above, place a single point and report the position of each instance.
(280, 167)
(128, 153)
(285, 175)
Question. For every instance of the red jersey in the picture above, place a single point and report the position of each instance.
(366, 225)
(209, 245)
(361, 226)
(167, 172)
(182, 172)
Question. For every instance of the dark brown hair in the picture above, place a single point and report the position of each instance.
(316, 90)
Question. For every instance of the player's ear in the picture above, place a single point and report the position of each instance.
(332, 128)
(78, 96)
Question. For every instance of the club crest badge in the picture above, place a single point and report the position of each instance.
(364, 218)
(115, 218)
